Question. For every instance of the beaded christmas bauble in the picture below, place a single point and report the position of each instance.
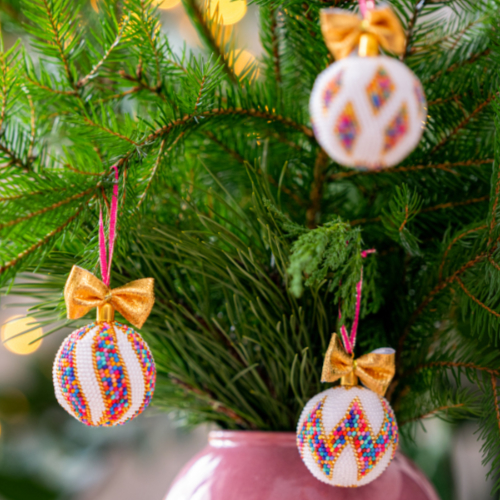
(104, 374)
(368, 112)
(347, 436)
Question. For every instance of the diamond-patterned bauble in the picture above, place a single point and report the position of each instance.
(347, 436)
(104, 374)
(368, 112)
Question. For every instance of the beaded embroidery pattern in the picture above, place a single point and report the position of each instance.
(146, 361)
(380, 89)
(347, 127)
(331, 90)
(396, 129)
(68, 378)
(111, 374)
(353, 429)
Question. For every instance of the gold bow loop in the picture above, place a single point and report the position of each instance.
(84, 291)
(375, 370)
(343, 31)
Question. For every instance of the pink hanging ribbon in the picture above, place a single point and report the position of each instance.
(113, 216)
(350, 340)
(365, 6)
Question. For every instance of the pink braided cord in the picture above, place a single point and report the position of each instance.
(365, 6)
(113, 217)
(350, 340)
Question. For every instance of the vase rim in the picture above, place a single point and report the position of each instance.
(230, 439)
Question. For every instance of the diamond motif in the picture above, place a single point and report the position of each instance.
(355, 430)
(396, 129)
(331, 90)
(347, 127)
(380, 89)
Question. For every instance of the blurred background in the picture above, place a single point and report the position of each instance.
(47, 455)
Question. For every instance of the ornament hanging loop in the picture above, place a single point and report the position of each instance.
(105, 314)
(368, 45)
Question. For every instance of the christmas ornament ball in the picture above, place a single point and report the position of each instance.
(368, 112)
(347, 436)
(104, 374)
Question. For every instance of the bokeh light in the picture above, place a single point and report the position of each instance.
(166, 4)
(231, 11)
(21, 344)
(242, 59)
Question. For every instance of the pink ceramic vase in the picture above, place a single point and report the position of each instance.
(247, 465)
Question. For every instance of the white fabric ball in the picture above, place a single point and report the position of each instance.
(104, 374)
(347, 436)
(368, 112)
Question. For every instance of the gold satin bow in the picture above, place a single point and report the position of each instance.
(375, 370)
(342, 31)
(84, 291)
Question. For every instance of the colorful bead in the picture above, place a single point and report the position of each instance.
(355, 430)
(380, 89)
(147, 365)
(104, 374)
(347, 127)
(331, 90)
(67, 377)
(396, 129)
(111, 375)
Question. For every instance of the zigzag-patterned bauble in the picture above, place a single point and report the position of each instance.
(104, 374)
(368, 112)
(347, 436)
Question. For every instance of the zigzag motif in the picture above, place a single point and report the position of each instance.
(353, 429)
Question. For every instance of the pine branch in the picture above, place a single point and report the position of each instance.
(51, 207)
(215, 405)
(475, 299)
(58, 41)
(442, 284)
(95, 69)
(417, 9)
(317, 189)
(40, 243)
(455, 240)
(50, 89)
(495, 398)
(205, 27)
(463, 123)
(264, 115)
(109, 131)
(451, 364)
(430, 414)
(440, 206)
(275, 45)
(446, 166)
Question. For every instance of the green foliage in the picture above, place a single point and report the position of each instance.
(228, 202)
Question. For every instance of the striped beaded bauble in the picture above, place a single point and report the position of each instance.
(104, 374)
(347, 436)
(368, 112)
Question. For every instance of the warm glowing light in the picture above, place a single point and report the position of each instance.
(241, 61)
(166, 4)
(22, 343)
(231, 11)
(94, 5)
